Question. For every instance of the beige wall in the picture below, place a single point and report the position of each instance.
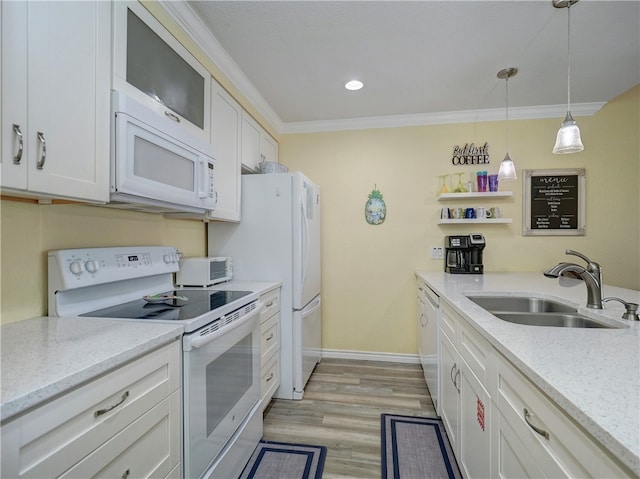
(28, 231)
(368, 282)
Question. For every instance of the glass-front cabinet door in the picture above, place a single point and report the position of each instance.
(154, 68)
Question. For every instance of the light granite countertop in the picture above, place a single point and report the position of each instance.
(592, 374)
(46, 356)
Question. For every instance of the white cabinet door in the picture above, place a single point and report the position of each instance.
(66, 69)
(14, 95)
(475, 413)
(449, 396)
(250, 143)
(268, 148)
(226, 125)
(257, 145)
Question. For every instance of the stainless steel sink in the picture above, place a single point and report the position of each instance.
(521, 304)
(536, 312)
(558, 320)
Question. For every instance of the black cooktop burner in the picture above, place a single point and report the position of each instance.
(198, 302)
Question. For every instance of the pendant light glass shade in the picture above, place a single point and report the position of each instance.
(568, 138)
(507, 169)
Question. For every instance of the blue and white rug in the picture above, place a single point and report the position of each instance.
(416, 447)
(277, 460)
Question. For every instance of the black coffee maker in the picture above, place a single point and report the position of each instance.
(463, 254)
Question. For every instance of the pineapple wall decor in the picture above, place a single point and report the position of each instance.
(375, 211)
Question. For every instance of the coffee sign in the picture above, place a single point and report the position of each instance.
(470, 154)
(554, 202)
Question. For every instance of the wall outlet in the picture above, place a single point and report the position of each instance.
(437, 252)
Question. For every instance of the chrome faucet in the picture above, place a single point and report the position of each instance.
(591, 275)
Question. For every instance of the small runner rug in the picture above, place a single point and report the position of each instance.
(416, 447)
(277, 460)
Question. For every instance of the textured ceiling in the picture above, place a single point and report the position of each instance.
(422, 57)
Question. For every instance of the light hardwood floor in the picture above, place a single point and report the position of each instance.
(341, 410)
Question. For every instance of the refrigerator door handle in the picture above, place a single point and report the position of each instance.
(305, 243)
(311, 308)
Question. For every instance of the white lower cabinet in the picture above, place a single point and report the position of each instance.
(543, 440)
(269, 345)
(499, 423)
(465, 404)
(123, 424)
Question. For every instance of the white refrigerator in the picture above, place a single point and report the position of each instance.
(278, 239)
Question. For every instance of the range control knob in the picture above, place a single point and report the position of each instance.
(91, 266)
(76, 267)
(167, 258)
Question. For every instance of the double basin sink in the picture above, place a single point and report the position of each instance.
(536, 312)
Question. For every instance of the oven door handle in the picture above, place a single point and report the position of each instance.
(195, 341)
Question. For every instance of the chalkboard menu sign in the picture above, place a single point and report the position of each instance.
(554, 202)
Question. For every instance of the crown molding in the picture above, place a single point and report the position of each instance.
(467, 116)
(186, 18)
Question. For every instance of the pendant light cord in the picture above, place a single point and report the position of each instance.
(506, 82)
(569, 55)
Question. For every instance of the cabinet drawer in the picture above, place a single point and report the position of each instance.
(271, 302)
(47, 441)
(269, 337)
(449, 322)
(568, 451)
(149, 447)
(270, 380)
(476, 351)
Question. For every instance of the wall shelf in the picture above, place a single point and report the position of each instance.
(475, 220)
(475, 194)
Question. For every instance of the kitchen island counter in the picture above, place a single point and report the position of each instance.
(592, 374)
(47, 356)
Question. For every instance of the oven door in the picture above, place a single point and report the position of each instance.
(221, 386)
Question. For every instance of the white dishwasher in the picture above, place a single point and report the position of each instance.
(428, 343)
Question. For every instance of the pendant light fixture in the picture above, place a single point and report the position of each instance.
(507, 169)
(568, 139)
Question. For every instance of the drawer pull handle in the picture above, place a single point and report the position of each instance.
(126, 474)
(18, 132)
(100, 412)
(270, 337)
(270, 377)
(455, 380)
(43, 151)
(527, 418)
(269, 304)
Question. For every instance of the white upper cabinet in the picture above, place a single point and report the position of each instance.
(151, 66)
(55, 99)
(226, 125)
(257, 145)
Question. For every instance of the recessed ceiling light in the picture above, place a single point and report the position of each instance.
(353, 85)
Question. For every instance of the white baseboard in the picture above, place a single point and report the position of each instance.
(370, 356)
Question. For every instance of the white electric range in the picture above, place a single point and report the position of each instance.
(222, 412)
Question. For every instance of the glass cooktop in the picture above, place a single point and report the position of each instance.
(197, 303)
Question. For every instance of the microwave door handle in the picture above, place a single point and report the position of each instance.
(202, 190)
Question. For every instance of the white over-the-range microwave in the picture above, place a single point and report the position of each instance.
(156, 164)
